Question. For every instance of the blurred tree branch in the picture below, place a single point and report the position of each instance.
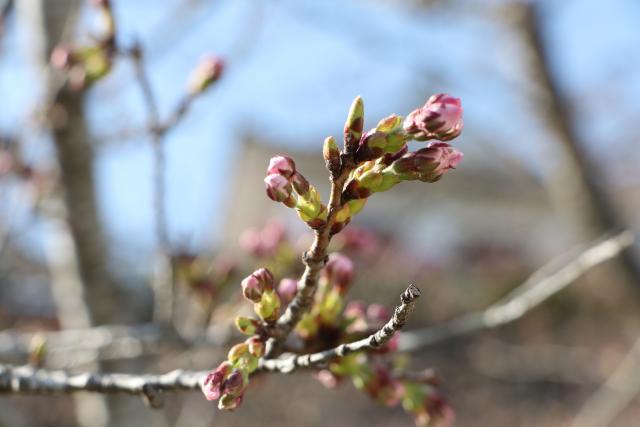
(543, 284)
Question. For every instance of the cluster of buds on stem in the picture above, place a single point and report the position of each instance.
(370, 162)
(230, 379)
(285, 184)
(383, 154)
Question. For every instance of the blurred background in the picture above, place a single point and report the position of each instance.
(99, 210)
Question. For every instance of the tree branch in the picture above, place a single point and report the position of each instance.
(28, 380)
(378, 339)
(524, 298)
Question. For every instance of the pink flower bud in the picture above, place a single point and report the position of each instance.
(207, 72)
(265, 277)
(440, 118)
(427, 164)
(212, 384)
(254, 285)
(339, 271)
(252, 289)
(282, 165)
(287, 289)
(278, 187)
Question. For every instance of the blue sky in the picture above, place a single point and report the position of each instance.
(295, 66)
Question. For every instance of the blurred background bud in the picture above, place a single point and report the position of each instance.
(206, 73)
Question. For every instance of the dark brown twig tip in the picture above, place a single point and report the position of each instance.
(411, 294)
(153, 396)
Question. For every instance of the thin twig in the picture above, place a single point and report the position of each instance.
(398, 320)
(522, 299)
(164, 283)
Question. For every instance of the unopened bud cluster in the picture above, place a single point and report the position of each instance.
(230, 379)
(370, 162)
(381, 159)
(286, 185)
(384, 157)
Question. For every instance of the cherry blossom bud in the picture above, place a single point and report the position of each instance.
(212, 384)
(387, 137)
(339, 271)
(234, 384)
(427, 164)
(310, 207)
(237, 351)
(207, 72)
(375, 178)
(247, 325)
(256, 346)
(331, 155)
(354, 125)
(265, 277)
(278, 188)
(252, 288)
(282, 165)
(440, 118)
(287, 289)
(300, 184)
